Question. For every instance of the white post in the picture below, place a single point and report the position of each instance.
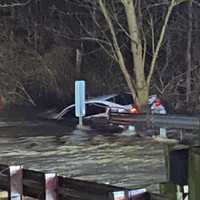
(119, 195)
(51, 184)
(80, 101)
(16, 183)
(80, 124)
(163, 133)
(130, 194)
(131, 130)
(179, 194)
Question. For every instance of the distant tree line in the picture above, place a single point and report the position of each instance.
(46, 45)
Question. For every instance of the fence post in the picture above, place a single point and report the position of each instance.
(135, 194)
(16, 183)
(51, 185)
(118, 195)
(194, 173)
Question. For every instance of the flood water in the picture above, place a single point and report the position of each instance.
(113, 158)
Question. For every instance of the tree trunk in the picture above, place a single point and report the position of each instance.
(189, 61)
(142, 95)
(36, 26)
(78, 62)
(142, 90)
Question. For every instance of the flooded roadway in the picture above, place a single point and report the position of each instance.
(104, 157)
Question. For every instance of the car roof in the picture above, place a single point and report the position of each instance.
(106, 97)
(103, 97)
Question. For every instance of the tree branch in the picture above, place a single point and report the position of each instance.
(163, 30)
(15, 4)
(119, 55)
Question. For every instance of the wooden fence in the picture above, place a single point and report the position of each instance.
(19, 182)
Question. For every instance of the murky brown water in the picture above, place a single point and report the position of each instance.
(113, 158)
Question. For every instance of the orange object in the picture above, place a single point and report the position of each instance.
(134, 109)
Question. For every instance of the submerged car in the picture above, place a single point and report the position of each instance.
(97, 110)
(98, 106)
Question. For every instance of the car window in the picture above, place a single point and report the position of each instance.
(111, 99)
(95, 108)
(128, 99)
(122, 99)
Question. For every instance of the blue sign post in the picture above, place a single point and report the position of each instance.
(80, 101)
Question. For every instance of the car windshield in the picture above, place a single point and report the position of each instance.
(95, 108)
(122, 99)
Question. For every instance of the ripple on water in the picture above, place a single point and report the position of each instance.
(108, 158)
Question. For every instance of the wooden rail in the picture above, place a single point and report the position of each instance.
(155, 120)
(20, 182)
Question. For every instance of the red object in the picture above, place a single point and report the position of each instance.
(157, 102)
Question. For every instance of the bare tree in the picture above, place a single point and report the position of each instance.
(139, 77)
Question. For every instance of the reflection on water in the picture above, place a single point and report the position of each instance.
(104, 157)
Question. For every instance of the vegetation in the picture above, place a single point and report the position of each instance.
(135, 33)
(45, 46)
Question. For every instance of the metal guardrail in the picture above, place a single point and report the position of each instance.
(156, 120)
